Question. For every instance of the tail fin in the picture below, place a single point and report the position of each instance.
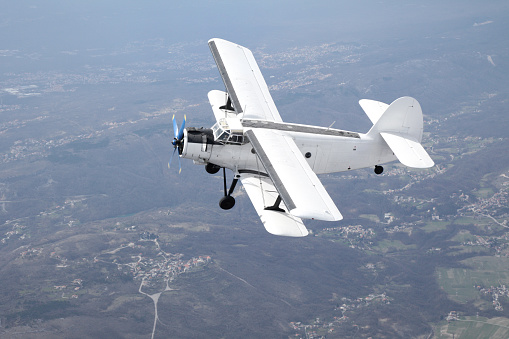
(401, 126)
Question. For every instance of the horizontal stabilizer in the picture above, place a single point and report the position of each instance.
(373, 109)
(408, 151)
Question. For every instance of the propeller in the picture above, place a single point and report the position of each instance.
(177, 140)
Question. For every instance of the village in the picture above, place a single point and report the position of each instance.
(149, 268)
(319, 328)
(494, 293)
(355, 235)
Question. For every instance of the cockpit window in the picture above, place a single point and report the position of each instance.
(223, 134)
(220, 134)
(223, 137)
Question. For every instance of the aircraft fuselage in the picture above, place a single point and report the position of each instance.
(325, 150)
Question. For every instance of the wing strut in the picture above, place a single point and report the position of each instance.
(275, 207)
(228, 105)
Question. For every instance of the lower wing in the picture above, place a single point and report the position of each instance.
(264, 195)
(297, 184)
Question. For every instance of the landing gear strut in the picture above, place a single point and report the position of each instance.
(228, 201)
(379, 169)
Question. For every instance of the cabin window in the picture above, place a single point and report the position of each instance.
(236, 139)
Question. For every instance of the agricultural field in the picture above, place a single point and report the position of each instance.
(473, 327)
(460, 283)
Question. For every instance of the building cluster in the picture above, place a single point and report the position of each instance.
(163, 266)
(399, 228)
(351, 230)
(350, 304)
(71, 289)
(148, 236)
(453, 315)
(30, 147)
(495, 293)
(62, 262)
(31, 253)
(404, 199)
(389, 218)
(488, 206)
(434, 250)
(484, 205)
(415, 177)
(356, 235)
(320, 329)
(498, 243)
(18, 231)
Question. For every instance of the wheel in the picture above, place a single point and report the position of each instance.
(379, 169)
(227, 202)
(211, 168)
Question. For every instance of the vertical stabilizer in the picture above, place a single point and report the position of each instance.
(403, 116)
(401, 127)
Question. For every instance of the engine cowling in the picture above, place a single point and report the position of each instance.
(198, 144)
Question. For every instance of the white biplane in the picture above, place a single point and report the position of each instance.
(277, 162)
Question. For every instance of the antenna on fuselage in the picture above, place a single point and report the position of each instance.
(331, 124)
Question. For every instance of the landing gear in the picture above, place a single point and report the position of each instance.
(211, 168)
(228, 201)
(379, 169)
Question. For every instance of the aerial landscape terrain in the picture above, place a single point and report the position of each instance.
(100, 239)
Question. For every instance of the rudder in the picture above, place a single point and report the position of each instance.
(403, 116)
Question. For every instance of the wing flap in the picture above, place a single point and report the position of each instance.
(244, 81)
(408, 151)
(295, 181)
(262, 193)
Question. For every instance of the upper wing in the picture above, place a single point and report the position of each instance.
(244, 82)
(297, 184)
(262, 193)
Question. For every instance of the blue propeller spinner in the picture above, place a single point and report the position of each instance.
(177, 140)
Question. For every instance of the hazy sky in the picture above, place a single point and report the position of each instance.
(65, 25)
